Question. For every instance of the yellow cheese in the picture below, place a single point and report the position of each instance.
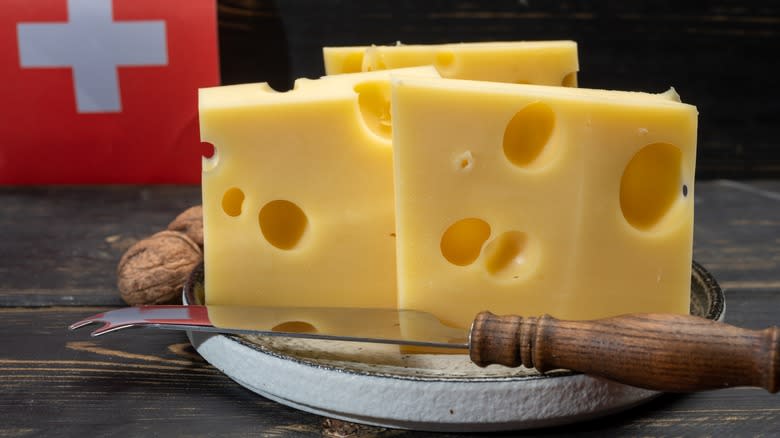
(529, 199)
(529, 62)
(335, 322)
(298, 197)
(340, 60)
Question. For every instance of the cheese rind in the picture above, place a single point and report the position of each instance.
(532, 62)
(298, 197)
(557, 175)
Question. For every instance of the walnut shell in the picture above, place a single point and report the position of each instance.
(190, 222)
(154, 270)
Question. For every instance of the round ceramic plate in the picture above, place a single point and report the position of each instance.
(381, 385)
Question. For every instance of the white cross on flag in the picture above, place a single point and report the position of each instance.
(103, 91)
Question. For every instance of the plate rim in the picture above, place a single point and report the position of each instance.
(573, 396)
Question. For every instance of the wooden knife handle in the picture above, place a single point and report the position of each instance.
(665, 352)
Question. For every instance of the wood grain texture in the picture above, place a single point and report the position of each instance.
(59, 383)
(142, 382)
(60, 246)
(663, 352)
(717, 53)
(737, 232)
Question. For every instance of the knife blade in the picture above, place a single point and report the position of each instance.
(340, 324)
(665, 352)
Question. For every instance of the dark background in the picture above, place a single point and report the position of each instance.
(720, 55)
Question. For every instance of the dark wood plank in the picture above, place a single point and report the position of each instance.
(60, 245)
(737, 232)
(56, 382)
(136, 383)
(717, 53)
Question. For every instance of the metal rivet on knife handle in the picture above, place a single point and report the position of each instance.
(665, 352)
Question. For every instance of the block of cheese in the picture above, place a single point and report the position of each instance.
(529, 199)
(529, 62)
(298, 196)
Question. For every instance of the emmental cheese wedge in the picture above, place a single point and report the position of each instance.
(298, 196)
(528, 62)
(529, 200)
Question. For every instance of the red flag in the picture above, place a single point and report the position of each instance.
(102, 91)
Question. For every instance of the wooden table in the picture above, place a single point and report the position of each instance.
(58, 253)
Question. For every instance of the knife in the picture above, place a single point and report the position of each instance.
(664, 352)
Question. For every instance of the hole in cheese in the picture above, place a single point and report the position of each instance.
(232, 201)
(210, 156)
(528, 133)
(462, 242)
(570, 80)
(374, 103)
(207, 149)
(282, 223)
(650, 184)
(464, 161)
(444, 61)
(294, 327)
(507, 256)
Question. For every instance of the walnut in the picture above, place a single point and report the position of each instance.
(154, 270)
(190, 222)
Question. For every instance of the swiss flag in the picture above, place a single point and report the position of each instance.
(103, 91)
